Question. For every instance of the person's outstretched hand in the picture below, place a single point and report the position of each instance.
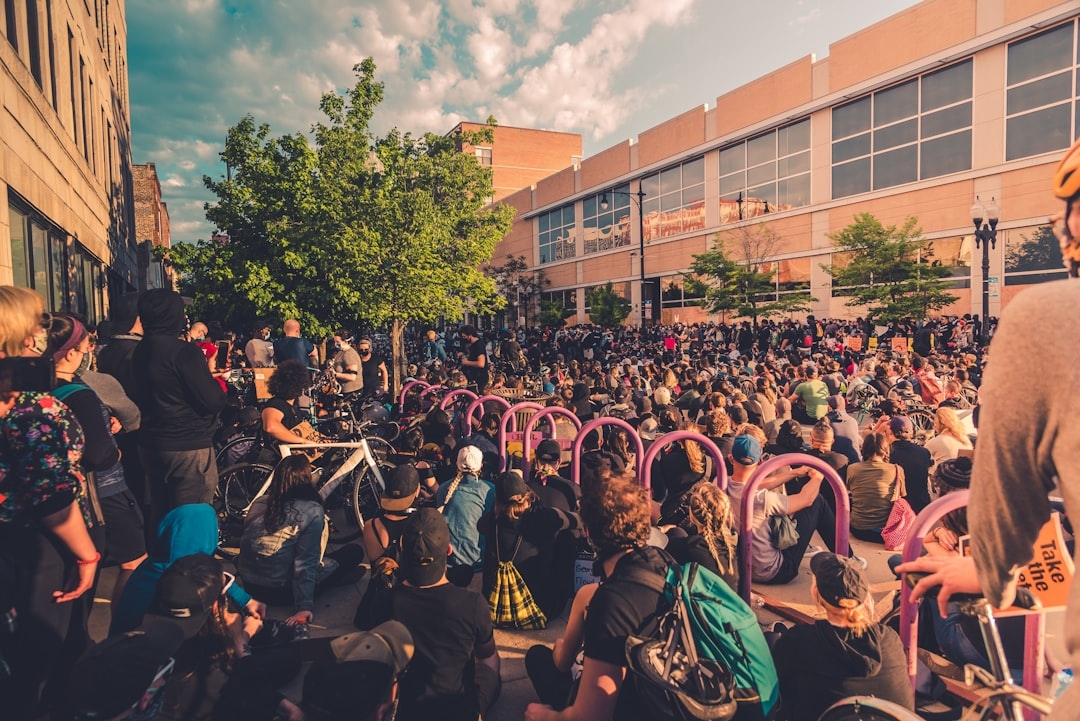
(954, 574)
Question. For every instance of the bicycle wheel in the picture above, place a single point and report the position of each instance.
(239, 449)
(345, 525)
(238, 486)
(380, 449)
(867, 708)
(367, 492)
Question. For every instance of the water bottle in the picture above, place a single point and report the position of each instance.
(1062, 679)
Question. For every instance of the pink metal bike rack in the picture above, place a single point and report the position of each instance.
(1034, 620)
(526, 441)
(407, 387)
(661, 442)
(426, 392)
(481, 402)
(746, 517)
(575, 448)
(515, 435)
(456, 393)
(459, 422)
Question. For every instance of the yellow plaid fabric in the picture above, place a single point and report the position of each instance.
(512, 604)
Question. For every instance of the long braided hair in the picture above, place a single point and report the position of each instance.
(709, 510)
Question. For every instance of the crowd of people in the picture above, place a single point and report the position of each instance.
(109, 459)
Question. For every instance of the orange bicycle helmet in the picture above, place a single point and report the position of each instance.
(1067, 175)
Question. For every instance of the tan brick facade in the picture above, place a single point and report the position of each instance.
(66, 227)
(913, 116)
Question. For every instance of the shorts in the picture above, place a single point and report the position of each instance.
(124, 537)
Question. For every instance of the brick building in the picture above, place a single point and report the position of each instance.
(65, 152)
(151, 227)
(916, 115)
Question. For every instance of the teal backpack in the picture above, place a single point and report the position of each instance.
(708, 622)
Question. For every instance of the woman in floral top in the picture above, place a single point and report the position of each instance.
(43, 531)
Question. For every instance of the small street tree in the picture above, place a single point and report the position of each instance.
(607, 308)
(553, 314)
(890, 271)
(518, 284)
(734, 277)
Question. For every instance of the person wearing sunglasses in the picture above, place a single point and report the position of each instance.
(372, 369)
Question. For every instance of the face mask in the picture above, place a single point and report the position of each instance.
(41, 341)
(85, 365)
(339, 346)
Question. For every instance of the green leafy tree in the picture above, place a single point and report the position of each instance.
(607, 308)
(734, 277)
(352, 228)
(553, 314)
(518, 284)
(890, 271)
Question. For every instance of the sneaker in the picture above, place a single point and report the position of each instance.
(813, 551)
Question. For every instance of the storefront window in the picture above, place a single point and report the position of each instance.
(1032, 255)
(674, 200)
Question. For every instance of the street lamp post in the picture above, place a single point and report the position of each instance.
(986, 236)
(640, 195)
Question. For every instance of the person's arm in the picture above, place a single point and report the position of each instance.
(273, 427)
(781, 477)
(200, 384)
(68, 526)
(307, 554)
(113, 396)
(808, 494)
(374, 546)
(384, 377)
(596, 697)
(567, 648)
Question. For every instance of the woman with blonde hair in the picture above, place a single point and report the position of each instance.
(853, 655)
(950, 437)
(706, 532)
(44, 541)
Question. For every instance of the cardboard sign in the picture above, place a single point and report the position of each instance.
(262, 378)
(853, 342)
(900, 345)
(1049, 574)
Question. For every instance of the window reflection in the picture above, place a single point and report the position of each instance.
(766, 173)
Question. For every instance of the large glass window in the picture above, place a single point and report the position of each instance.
(622, 290)
(20, 255)
(674, 200)
(38, 256)
(567, 297)
(1032, 255)
(9, 19)
(88, 284)
(766, 173)
(557, 234)
(913, 131)
(1041, 113)
(605, 220)
(954, 254)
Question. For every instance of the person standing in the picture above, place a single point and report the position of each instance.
(293, 347)
(474, 359)
(259, 350)
(373, 371)
(346, 363)
(180, 401)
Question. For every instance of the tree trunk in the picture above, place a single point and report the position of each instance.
(399, 362)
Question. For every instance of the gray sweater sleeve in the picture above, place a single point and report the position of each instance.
(1029, 435)
(112, 394)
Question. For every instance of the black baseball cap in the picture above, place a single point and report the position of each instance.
(509, 485)
(402, 487)
(840, 580)
(188, 590)
(425, 544)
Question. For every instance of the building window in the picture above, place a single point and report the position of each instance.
(675, 294)
(33, 37)
(558, 234)
(568, 298)
(1041, 111)
(38, 256)
(622, 290)
(52, 52)
(674, 200)
(913, 131)
(483, 156)
(9, 20)
(1032, 255)
(610, 228)
(88, 284)
(766, 173)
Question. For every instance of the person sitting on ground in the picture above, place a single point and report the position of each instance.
(807, 508)
(783, 413)
(463, 500)
(706, 532)
(675, 470)
(846, 436)
(550, 668)
(522, 530)
(283, 557)
(853, 655)
(789, 439)
(950, 436)
(809, 398)
(361, 682)
(913, 458)
(454, 674)
(553, 490)
(873, 485)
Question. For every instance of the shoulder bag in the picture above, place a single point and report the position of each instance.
(901, 518)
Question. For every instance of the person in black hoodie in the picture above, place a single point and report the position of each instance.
(180, 402)
(851, 654)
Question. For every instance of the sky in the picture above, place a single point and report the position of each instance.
(607, 69)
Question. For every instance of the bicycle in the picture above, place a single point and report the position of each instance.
(348, 474)
(1004, 700)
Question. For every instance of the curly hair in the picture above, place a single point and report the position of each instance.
(290, 379)
(717, 423)
(616, 515)
(709, 510)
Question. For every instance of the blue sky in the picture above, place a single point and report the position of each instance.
(607, 69)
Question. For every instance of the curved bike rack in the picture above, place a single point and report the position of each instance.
(407, 387)
(661, 442)
(480, 403)
(428, 391)
(575, 448)
(458, 420)
(746, 511)
(506, 435)
(526, 441)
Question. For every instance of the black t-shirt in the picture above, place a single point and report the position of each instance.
(619, 609)
(557, 492)
(448, 625)
(479, 376)
(916, 461)
(535, 557)
(820, 664)
(369, 371)
(291, 416)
